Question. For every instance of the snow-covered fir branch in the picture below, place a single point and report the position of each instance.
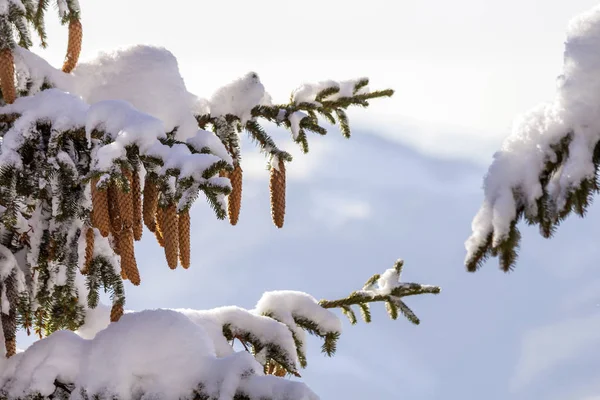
(547, 168)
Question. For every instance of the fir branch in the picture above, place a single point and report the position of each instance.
(279, 114)
(391, 297)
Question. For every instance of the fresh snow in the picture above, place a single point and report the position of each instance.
(239, 97)
(517, 166)
(147, 77)
(286, 305)
(295, 118)
(160, 353)
(308, 92)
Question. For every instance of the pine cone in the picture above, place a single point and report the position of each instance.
(11, 346)
(184, 239)
(74, 46)
(125, 201)
(123, 274)
(150, 203)
(128, 263)
(234, 200)
(100, 210)
(277, 189)
(170, 231)
(116, 312)
(280, 371)
(9, 321)
(158, 232)
(7, 76)
(89, 250)
(116, 223)
(136, 193)
(117, 242)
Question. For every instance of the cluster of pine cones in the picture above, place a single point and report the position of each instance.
(118, 209)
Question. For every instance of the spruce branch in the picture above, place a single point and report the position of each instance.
(375, 290)
(324, 105)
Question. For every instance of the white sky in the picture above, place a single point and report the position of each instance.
(461, 69)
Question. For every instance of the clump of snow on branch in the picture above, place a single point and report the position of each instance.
(241, 321)
(59, 356)
(32, 71)
(157, 353)
(287, 306)
(295, 118)
(147, 77)
(239, 97)
(307, 92)
(522, 158)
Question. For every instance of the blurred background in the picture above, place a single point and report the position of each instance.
(407, 185)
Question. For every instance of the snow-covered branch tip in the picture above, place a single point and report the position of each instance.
(385, 288)
(328, 100)
(547, 168)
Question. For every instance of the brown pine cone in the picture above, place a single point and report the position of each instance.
(158, 232)
(234, 200)
(9, 321)
(11, 346)
(116, 242)
(123, 274)
(100, 210)
(170, 231)
(116, 222)
(128, 263)
(150, 203)
(116, 312)
(280, 371)
(89, 250)
(125, 201)
(74, 45)
(277, 189)
(136, 194)
(184, 239)
(7, 76)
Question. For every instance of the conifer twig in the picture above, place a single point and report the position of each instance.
(391, 296)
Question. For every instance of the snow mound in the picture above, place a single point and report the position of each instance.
(147, 77)
(154, 353)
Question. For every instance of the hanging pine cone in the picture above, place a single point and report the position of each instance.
(9, 321)
(74, 45)
(7, 76)
(100, 210)
(170, 231)
(116, 312)
(234, 200)
(128, 263)
(89, 250)
(158, 232)
(277, 189)
(125, 201)
(136, 193)
(123, 274)
(150, 203)
(184, 239)
(116, 223)
(116, 243)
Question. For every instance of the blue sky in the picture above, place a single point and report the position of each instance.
(407, 185)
